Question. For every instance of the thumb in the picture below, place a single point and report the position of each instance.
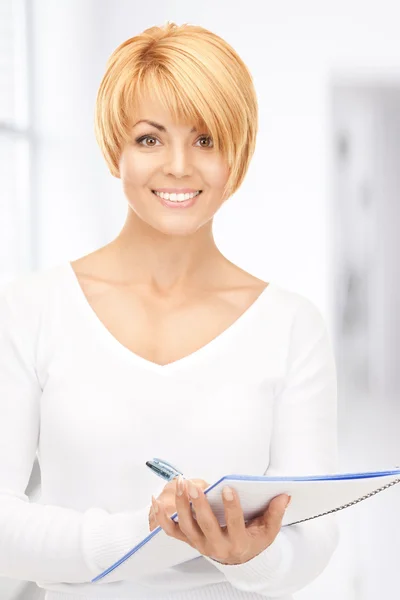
(201, 483)
(276, 509)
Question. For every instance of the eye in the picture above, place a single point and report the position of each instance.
(145, 137)
(206, 137)
(152, 137)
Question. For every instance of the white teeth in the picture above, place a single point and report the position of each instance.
(176, 197)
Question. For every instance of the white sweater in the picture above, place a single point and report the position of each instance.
(261, 398)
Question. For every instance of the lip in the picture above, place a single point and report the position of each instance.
(178, 205)
(177, 190)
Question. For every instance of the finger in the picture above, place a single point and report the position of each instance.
(152, 520)
(170, 527)
(171, 485)
(236, 526)
(153, 523)
(187, 522)
(274, 514)
(206, 520)
(201, 483)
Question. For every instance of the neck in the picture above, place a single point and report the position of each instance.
(166, 263)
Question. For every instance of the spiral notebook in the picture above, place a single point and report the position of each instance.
(312, 497)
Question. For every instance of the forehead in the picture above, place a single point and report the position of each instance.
(154, 111)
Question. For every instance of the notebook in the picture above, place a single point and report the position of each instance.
(312, 497)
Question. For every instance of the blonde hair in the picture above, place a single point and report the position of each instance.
(196, 76)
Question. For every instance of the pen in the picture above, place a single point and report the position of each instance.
(163, 469)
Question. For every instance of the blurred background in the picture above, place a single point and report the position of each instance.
(318, 212)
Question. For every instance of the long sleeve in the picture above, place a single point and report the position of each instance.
(48, 543)
(304, 442)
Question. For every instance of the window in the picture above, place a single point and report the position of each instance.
(15, 141)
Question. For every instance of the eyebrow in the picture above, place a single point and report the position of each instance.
(157, 125)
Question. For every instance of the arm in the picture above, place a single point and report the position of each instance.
(304, 442)
(45, 542)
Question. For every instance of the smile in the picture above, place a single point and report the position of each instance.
(169, 201)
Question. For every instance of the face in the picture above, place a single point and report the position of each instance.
(171, 156)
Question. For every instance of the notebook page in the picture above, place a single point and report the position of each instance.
(310, 497)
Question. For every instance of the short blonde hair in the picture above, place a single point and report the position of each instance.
(197, 77)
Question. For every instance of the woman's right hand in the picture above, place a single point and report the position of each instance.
(167, 497)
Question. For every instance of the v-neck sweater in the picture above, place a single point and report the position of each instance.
(259, 399)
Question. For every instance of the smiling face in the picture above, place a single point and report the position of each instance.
(168, 155)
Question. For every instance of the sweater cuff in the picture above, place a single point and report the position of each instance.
(108, 537)
(268, 566)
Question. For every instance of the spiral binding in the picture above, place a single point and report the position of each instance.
(350, 503)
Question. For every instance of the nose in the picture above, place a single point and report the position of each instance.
(178, 162)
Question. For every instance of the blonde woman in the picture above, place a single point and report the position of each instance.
(158, 345)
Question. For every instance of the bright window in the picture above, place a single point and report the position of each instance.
(15, 140)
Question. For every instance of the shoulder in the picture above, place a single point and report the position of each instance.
(307, 345)
(28, 294)
(302, 315)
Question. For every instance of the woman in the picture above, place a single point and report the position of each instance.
(157, 345)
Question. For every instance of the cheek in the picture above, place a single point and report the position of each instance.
(217, 173)
(135, 168)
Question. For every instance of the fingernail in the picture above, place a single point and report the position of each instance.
(180, 486)
(227, 492)
(288, 502)
(155, 504)
(193, 491)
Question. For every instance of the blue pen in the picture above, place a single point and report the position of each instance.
(163, 469)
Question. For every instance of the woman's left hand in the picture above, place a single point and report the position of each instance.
(233, 544)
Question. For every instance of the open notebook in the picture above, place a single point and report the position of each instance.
(312, 497)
